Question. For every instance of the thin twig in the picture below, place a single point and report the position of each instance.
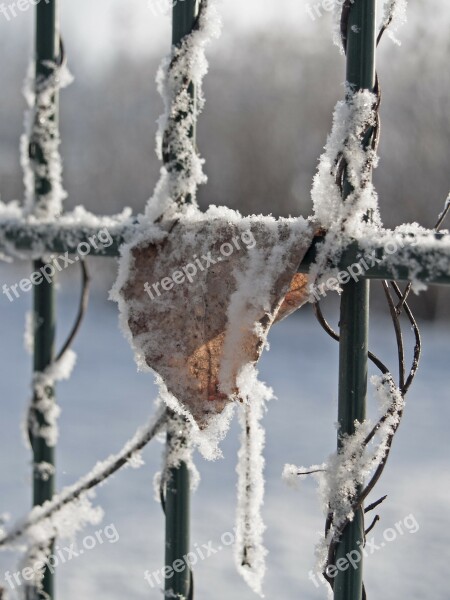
(443, 214)
(332, 333)
(398, 335)
(375, 504)
(372, 525)
(82, 309)
(313, 472)
(418, 342)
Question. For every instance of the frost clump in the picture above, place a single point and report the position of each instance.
(345, 155)
(342, 477)
(40, 157)
(43, 402)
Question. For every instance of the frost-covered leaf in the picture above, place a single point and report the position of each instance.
(200, 302)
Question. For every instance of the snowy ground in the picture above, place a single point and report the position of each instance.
(106, 400)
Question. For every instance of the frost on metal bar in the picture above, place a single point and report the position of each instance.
(29, 238)
(405, 254)
(420, 256)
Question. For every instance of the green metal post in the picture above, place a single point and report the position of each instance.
(47, 49)
(177, 531)
(354, 318)
(177, 503)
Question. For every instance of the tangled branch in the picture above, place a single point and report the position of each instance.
(100, 473)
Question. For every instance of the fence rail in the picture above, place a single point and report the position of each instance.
(422, 257)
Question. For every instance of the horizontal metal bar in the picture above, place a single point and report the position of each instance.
(403, 257)
(422, 257)
(23, 240)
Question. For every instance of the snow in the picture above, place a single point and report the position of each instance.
(42, 134)
(179, 449)
(105, 399)
(344, 221)
(424, 254)
(394, 16)
(182, 171)
(44, 233)
(43, 384)
(336, 25)
(299, 428)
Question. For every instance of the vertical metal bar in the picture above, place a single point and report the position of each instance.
(177, 531)
(47, 49)
(177, 502)
(183, 19)
(354, 317)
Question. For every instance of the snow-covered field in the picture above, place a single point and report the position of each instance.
(106, 400)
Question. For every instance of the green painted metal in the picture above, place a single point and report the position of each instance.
(184, 15)
(177, 509)
(177, 498)
(48, 238)
(353, 348)
(47, 49)
(354, 317)
(428, 258)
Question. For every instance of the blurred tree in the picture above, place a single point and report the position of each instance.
(270, 96)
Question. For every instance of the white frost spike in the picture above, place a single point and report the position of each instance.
(394, 16)
(336, 27)
(290, 475)
(42, 139)
(45, 404)
(250, 553)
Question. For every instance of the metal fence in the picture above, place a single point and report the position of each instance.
(360, 39)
